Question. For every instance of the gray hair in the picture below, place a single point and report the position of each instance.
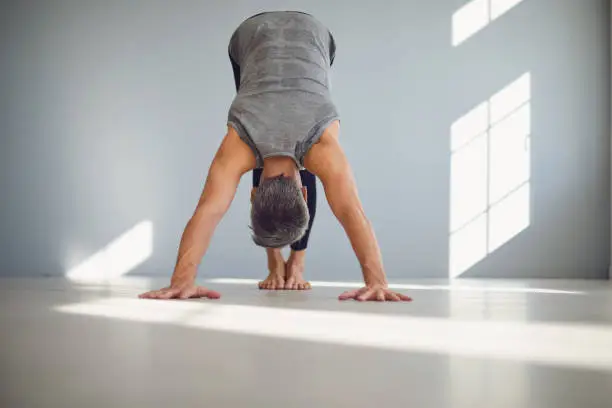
(279, 214)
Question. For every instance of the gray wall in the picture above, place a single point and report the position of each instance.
(112, 110)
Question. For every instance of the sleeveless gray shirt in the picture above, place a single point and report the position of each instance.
(283, 103)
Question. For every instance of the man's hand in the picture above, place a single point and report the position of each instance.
(232, 160)
(380, 293)
(326, 159)
(181, 291)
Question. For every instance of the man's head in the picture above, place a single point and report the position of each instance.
(279, 213)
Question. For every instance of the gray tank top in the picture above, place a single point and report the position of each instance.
(283, 103)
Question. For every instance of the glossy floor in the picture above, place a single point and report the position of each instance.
(459, 344)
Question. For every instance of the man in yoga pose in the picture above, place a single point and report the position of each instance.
(284, 126)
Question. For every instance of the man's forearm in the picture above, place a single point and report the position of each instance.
(194, 243)
(327, 161)
(363, 240)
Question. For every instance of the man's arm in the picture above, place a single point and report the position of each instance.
(231, 161)
(327, 161)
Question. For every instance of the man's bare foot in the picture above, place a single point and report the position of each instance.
(294, 272)
(273, 282)
(276, 266)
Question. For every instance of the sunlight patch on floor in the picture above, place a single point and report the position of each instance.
(399, 286)
(556, 344)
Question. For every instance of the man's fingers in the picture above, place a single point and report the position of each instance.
(404, 297)
(376, 293)
(154, 294)
(187, 293)
(213, 295)
(366, 295)
(392, 297)
(349, 294)
(203, 292)
(181, 293)
(168, 294)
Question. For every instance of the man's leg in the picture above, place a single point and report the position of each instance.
(294, 276)
(276, 262)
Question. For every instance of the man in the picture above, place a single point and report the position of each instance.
(281, 121)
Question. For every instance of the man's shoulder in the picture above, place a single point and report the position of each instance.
(327, 153)
(234, 152)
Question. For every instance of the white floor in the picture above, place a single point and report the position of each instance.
(467, 344)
